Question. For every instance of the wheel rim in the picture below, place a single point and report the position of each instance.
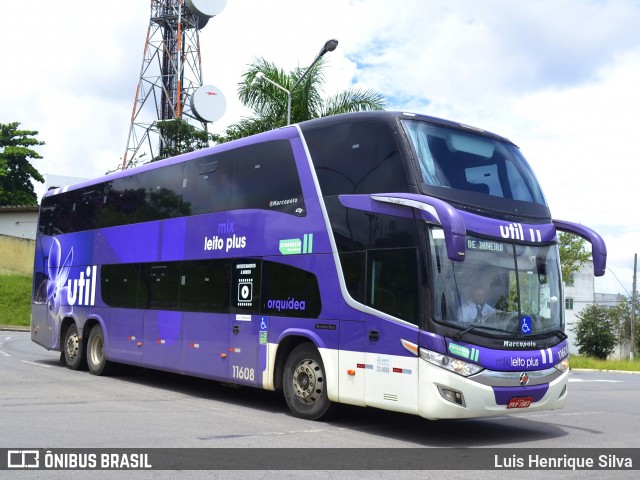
(72, 347)
(308, 381)
(96, 350)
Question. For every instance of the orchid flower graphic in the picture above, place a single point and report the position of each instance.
(56, 290)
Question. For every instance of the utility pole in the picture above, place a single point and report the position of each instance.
(633, 306)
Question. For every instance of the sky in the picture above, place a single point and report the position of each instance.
(559, 78)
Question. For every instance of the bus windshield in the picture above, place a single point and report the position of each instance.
(502, 289)
(452, 159)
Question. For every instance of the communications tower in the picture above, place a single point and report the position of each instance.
(170, 84)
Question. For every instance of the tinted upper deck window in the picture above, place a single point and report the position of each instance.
(265, 177)
(260, 176)
(357, 157)
(121, 201)
(161, 191)
(206, 184)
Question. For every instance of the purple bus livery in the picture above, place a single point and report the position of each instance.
(337, 260)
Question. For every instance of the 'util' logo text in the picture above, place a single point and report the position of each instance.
(82, 291)
(516, 232)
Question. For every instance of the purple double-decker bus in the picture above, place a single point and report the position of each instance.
(378, 259)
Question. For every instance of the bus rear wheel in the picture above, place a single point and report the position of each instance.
(73, 349)
(96, 360)
(304, 383)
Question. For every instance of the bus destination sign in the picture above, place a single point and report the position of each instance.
(486, 245)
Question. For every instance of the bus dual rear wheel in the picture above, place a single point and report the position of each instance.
(73, 349)
(304, 383)
(96, 360)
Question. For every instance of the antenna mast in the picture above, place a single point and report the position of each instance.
(171, 74)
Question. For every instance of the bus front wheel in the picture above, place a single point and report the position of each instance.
(304, 383)
(73, 349)
(96, 360)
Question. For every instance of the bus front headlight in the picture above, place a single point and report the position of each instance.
(455, 365)
(563, 365)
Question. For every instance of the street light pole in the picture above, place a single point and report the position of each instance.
(329, 46)
(633, 306)
(262, 78)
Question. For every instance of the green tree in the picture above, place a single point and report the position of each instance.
(269, 103)
(179, 136)
(621, 318)
(16, 170)
(596, 332)
(573, 255)
(621, 321)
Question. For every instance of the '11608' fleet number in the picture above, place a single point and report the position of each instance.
(243, 373)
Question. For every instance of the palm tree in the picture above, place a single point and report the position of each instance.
(269, 103)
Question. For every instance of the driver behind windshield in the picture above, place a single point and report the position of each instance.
(476, 308)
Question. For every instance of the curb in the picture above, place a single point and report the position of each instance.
(14, 328)
(631, 372)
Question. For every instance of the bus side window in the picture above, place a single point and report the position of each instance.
(204, 286)
(47, 215)
(273, 161)
(120, 202)
(392, 282)
(119, 285)
(86, 209)
(357, 157)
(64, 212)
(161, 192)
(162, 282)
(288, 291)
(354, 271)
(206, 184)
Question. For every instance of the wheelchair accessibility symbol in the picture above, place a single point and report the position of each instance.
(525, 325)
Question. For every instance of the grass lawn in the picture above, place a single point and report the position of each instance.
(578, 361)
(15, 299)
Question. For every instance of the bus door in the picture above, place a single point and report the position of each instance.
(391, 370)
(391, 367)
(247, 338)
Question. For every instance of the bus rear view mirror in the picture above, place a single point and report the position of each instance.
(598, 247)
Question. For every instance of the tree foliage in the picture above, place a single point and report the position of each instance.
(178, 136)
(16, 170)
(621, 319)
(573, 255)
(596, 331)
(269, 103)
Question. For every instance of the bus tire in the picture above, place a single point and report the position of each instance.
(73, 349)
(304, 383)
(96, 360)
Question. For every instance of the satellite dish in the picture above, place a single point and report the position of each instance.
(202, 22)
(208, 103)
(206, 8)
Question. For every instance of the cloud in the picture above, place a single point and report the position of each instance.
(581, 141)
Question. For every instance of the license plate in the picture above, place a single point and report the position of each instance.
(522, 402)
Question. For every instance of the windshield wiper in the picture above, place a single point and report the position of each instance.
(560, 334)
(458, 336)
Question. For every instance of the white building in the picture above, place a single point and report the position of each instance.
(19, 221)
(579, 293)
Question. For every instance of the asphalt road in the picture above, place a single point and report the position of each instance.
(45, 405)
